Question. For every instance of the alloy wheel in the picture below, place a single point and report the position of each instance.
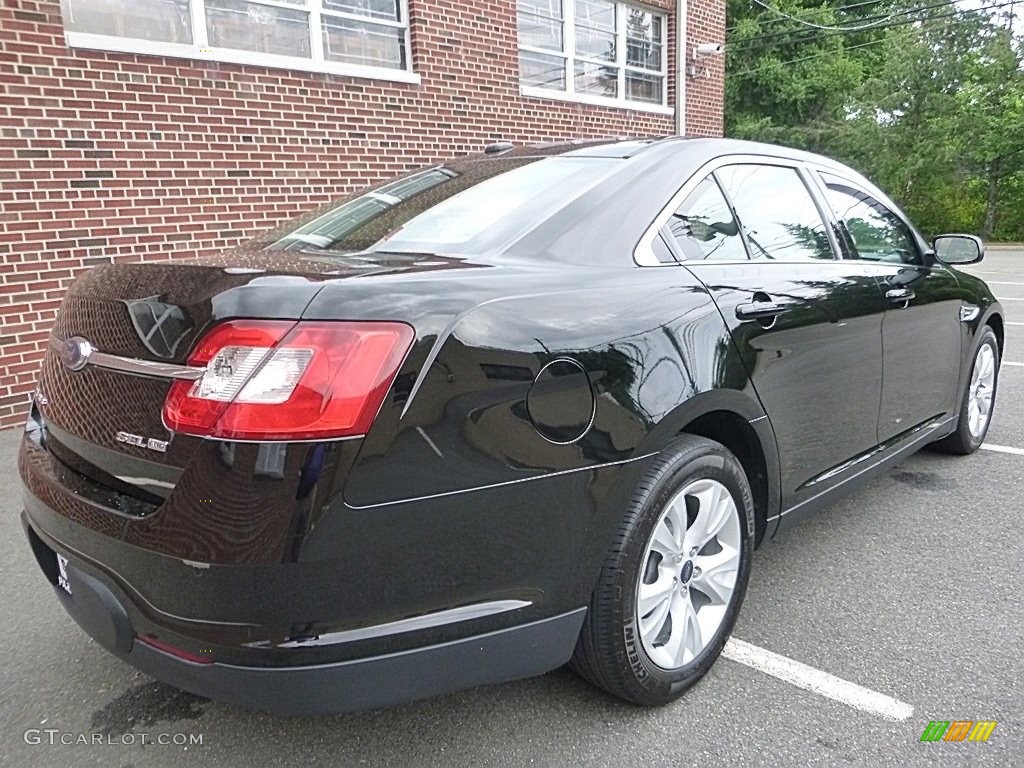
(688, 574)
(982, 390)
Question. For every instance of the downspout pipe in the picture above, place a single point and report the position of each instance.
(681, 47)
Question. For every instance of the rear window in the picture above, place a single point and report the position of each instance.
(460, 208)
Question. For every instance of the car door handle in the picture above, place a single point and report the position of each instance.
(899, 295)
(761, 310)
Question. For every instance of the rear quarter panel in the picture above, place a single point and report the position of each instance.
(469, 500)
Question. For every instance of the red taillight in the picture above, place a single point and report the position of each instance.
(281, 380)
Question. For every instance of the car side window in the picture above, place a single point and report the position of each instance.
(703, 226)
(876, 233)
(777, 212)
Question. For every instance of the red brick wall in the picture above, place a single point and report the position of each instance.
(705, 93)
(108, 156)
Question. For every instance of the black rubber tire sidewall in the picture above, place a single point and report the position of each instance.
(961, 441)
(633, 675)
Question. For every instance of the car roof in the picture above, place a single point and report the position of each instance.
(633, 147)
(610, 147)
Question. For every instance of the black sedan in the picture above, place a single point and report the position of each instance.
(521, 409)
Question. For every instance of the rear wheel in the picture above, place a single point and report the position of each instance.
(977, 400)
(674, 579)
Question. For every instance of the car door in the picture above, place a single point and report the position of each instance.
(921, 330)
(807, 324)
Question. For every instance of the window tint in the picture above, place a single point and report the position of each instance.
(704, 228)
(877, 233)
(458, 208)
(777, 212)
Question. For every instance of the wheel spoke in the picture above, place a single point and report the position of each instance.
(973, 416)
(713, 513)
(718, 574)
(651, 626)
(988, 364)
(649, 596)
(686, 633)
(664, 541)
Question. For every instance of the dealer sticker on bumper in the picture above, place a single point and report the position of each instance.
(62, 574)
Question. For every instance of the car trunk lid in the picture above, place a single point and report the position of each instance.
(106, 425)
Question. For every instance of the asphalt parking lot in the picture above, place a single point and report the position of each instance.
(910, 588)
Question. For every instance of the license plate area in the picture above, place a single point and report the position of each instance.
(62, 573)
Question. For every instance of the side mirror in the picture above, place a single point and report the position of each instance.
(958, 249)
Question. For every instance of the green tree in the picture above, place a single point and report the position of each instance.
(928, 102)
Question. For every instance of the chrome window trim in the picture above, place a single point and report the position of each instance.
(643, 253)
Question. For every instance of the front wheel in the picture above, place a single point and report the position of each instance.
(977, 400)
(674, 578)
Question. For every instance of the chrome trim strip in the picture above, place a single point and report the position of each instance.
(969, 312)
(427, 621)
(134, 366)
(502, 484)
(920, 435)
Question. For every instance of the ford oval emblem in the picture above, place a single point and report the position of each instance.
(74, 353)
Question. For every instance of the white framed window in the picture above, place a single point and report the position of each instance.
(364, 38)
(595, 51)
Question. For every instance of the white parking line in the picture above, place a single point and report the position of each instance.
(1010, 362)
(816, 681)
(1009, 323)
(1002, 449)
(1008, 298)
(1002, 282)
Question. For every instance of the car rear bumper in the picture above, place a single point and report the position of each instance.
(357, 684)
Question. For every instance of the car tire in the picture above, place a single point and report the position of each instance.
(965, 440)
(614, 651)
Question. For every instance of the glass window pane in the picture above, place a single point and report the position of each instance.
(550, 8)
(641, 87)
(519, 198)
(704, 227)
(257, 27)
(595, 44)
(377, 9)
(645, 55)
(596, 14)
(167, 21)
(777, 212)
(644, 38)
(877, 233)
(452, 210)
(540, 31)
(541, 71)
(366, 43)
(597, 80)
(359, 223)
